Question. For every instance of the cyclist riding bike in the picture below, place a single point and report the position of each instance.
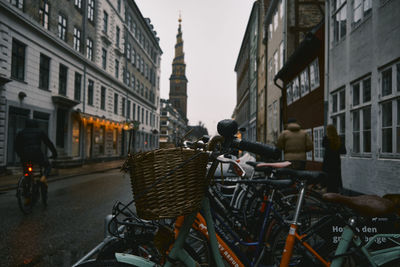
(28, 147)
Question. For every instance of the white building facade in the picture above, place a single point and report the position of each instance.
(363, 90)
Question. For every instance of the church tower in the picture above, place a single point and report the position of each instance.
(177, 80)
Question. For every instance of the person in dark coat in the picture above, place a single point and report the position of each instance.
(331, 165)
(28, 147)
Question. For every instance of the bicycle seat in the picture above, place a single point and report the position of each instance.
(309, 176)
(366, 205)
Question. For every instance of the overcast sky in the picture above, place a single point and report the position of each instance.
(213, 31)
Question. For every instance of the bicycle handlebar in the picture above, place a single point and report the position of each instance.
(261, 149)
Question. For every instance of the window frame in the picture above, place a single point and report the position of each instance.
(318, 150)
(337, 10)
(44, 72)
(44, 14)
(315, 82)
(90, 92)
(78, 86)
(90, 14)
(63, 79)
(62, 27)
(77, 39)
(103, 92)
(18, 60)
(394, 99)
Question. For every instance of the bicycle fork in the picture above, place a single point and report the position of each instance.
(291, 238)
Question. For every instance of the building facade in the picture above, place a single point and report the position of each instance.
(67, 66)
(286, 23)
(173, 126)
(302, 82)
(362, 91)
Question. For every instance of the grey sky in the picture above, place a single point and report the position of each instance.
(212, 34)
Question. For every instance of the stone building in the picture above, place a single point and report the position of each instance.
(68, 65)
(362, 89)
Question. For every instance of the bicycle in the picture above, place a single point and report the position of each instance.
(296, 250)
(30, 188)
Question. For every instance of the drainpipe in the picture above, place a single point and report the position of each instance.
(284, 119)
(326, 66)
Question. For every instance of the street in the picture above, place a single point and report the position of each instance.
(68, 228)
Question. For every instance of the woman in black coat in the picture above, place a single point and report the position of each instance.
(331, 164)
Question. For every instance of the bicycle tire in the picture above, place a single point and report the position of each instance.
(103, 263)
(25, 189)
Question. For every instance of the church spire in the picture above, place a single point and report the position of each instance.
(178, 80)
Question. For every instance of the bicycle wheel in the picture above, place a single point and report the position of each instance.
(25, 194)
(102, 263)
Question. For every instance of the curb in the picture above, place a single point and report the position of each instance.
(57, 178)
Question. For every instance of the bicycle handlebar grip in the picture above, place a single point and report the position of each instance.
(261, 149)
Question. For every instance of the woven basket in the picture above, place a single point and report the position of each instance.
(158, 195)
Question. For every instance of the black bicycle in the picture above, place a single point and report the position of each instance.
(30, 189)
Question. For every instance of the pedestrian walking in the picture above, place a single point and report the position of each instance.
(334, 147)
(295, 142)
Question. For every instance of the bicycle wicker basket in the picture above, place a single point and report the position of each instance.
(167, 183)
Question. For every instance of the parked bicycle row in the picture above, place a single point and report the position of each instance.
(248, 213)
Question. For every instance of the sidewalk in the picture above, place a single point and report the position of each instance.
(8, 182)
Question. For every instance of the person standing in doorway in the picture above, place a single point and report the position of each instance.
(334, 147)
(295, 142)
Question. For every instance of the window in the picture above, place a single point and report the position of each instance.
(119, 5)
(135, 31)
(281, 8)
(276, 62)
(387, 82)
(361, 9)
(62, 80)
(133, 57)
(134, 111)
(147, 117)
(281, 54)
(18, 60)
(117, 32)
(104, 58)
(77, 39)
(116, 69)
(390, 110)
(128, 78)
(44, 72)
(91, 10)
(62, 27)
(128, 109)
(142, 89)
(133, 82)
(89, 49)
(318, 134)
(128, 51)
(105, 22)
(18, 3)
(309, 153)
(314, 74)
(339, 18)
(123, 107)
(338, 111)
(78, 4)
(304, 84)
(289, 94)
(142, 115)
(138, 113)
(44, 14)
(103, 98)
(276, 20)
(115, 103)
(129, 22)
(90, 92)
(296, 89)
(78, 85)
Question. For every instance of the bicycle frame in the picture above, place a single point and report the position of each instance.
(177, 252)
(375, 258)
